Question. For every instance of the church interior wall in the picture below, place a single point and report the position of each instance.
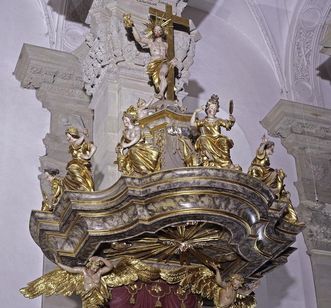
(23, 125)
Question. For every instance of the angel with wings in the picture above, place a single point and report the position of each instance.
(202, 281)
(91, 282)
(94, 281)
(86, 281)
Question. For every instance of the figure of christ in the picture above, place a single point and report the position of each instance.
(155, 41)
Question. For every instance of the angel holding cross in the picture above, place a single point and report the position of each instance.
(159, 41)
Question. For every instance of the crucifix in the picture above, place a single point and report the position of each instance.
(172, 20)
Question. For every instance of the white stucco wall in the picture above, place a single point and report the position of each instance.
(23, 124)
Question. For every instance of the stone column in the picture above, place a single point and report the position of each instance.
(305, 131)
(56, 76)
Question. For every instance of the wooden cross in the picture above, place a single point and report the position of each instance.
(173, 21)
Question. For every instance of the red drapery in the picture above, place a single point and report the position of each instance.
(156, 294)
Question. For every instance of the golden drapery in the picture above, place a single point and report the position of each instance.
(212, 146)
(153, 70)
(260, 168)
(141, 158)
(79, 176)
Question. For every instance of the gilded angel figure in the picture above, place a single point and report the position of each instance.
(85, 281)
(274, 178)
(260, 168)
(52, 195)
(79, 174)
(135, 156)
(200, 280)
(92, 282)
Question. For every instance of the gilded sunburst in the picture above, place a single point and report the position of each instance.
(186, 243)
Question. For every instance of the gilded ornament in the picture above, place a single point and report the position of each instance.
(184, 244)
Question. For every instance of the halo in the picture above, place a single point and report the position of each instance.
(157, 21)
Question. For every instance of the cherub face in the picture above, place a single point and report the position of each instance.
(236, 283)
(158, 31)
(95, 265)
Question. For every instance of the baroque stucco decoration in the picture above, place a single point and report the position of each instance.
(65, 21)
(303, 47)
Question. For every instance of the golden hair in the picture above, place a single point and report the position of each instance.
(237, 277)
(131, 113)
(72, 131)
(157, 21)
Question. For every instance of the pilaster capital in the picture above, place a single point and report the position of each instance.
(38, 65)
(300, 126)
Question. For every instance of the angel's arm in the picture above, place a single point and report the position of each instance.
(218, 277)
(73, 270)
(90, 152)
(194, 115)
(108, 265)
(150, 102)
(134, 140)
(80, 140)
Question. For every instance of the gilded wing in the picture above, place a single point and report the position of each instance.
(175, 276)
(129, 270)
(55, 282)
(200, 280)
